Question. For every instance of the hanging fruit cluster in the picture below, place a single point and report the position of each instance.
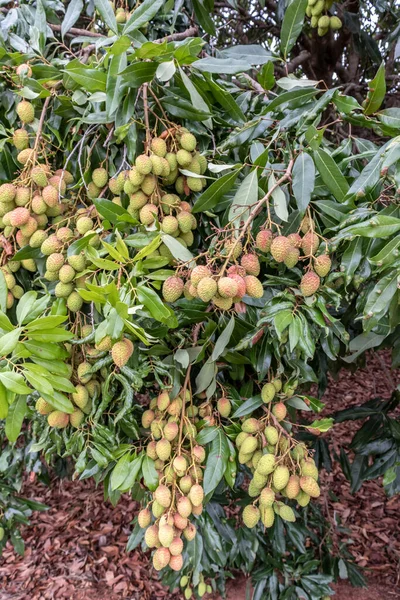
(318, 11)
(178, 459)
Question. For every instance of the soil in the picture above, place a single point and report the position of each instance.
(76, 549)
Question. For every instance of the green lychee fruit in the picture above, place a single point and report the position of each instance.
(25, 156)
(121, 352)
(335, 23)
(251, 425)
(194, 183)
(158, 147)
(280, 477)
(266, 464)
(43, 407)
(188, 142)
(251, 264)
(322, 265)
(100, 177)
(267, 497)
(77, 262)
(254, 287)
(163, 449)
(251, 516)
(184, 158)
(198, 273)
(303, 499)
(286, 513)
(292, 258)
(310, 486)
(280, 247)
(310, 243)
(293, 487)
(39, 176)
(143, 164)
(271, 435)
(163, 496)
(84, 372)
(196, 495)
(148, 214)
(58, 419)
(151, 536)
(84, 224)
(172, 289)
(267, 516)
(224, 407)
(74, 302)
(77, 418)
(25, 111)
(20, 139)
(268, 392)
(206, 288)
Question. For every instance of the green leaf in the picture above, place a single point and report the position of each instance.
(15, 418)
(134, 469)
(150, 475)
(303, 180)
(203, 16)
(196, 98)
(166, 70)
(152, 301)
(222, 65)
(72, 14)
(302, 95)
(92, 80)
(3, 402)
(120, 471)
(368, 178)
(139, 73)
(206, 376)
(177, 250)
(14, 382)
(79, 245)
(109, 210)
(39, 383)
(245, 197)
(3, 293)
(331, 174)
(279, 198)
(247, 407)
(216, 462)
(9, 341)
(388, 254)
(282, 320)
(223, 339)
(379, 298)
(46, 322)
(59, 402)
(115, 89)
(292, 25)
(106, 11)
(390, 117)
(361, 343)
(142, 15)
(208, 199)
(377, 91)
(322, 425)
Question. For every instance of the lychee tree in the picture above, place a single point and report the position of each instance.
(188, 244)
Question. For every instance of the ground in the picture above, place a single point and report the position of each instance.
(76, 550)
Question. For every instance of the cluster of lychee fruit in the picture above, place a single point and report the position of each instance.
(177, 459)
(281, 468)
(317, 11)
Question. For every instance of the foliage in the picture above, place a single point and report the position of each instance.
(188, 245)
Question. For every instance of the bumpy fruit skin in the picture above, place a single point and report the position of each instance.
(206, 289)
(144, 518)
(224, 407)
(267, 516)
(74, 302)
(163, 496)
(264, 240)
(250, 425)
(151, 536)
(58, 419)
(176, 562)
(267, 497)
(279, 410)
(143, 164)
(158, 147)
(76, 419)
(251, 264)
(295, 240)
(281, 477)
(196, 495)
(310, 486)
(292, 258)
(310, 243)
(19, 216)
(83, 372)
(271, 435)
(280, 247)
(184, 507)
(251, 516)
(163, 449)
(286, 513)
(20, 139)
(172, 289)
(43, 407)
(254, 287)
(322, 265)
(309, 469)
(188, 142)
(268, 392)
(266, 464)
(293, 487)
(26, 111)
(222, 303)
(161, 558)
(121, 352)
(303, 499)
(227, 287)
(309, 284)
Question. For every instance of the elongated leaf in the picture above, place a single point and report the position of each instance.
(178, 251)
(71, 16)
(279, 199)
(390, 117)
(208, 199)
(92, 80)
(15, 418)
(248, 407)
(138, 73)
(120, 472)
(331, 174)
(222, 65)
(142, 15)
(196, 98)
(380, 297)
(14, 382)
(150, 475)
(107, 13)
(216, 462)
(9, 341)
(3, 293)
(223, 339)
(377, 91)
(245, 197)
(152, 301)
(303, 180)
(292, 25)
(59, 402)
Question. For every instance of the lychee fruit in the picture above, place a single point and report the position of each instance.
(172, 289)
(188, 142)
(227, 287)
(143, 164)
(163, 449)
(25, 156)
(224, 407)
(292, 258)
(151, 536)
(279, 410)
(310, 243)
(58, 419)
(295, 240)
(309, 284)
(148, 214)
(163, 496)
(310, 486)
(76, 418)
(206, 288)
(176, 546)
(268, 392)
(264, 240)
(251, 264)
(144, 518)
(198, 273)
(121, 352)
(222, 303)
(280, 477)
(25, 111)
(279, 248)
(267, 497)
(19, 216)
(158, 147)
(184, 506)
(251, 516)
(43, 407)
(266, 464)
(20, 139)
(322, 265)
(100, 177)
(254, 287)
(196, 494)
(161, 558)
(176, 563)
(184, 158)
(190, 532)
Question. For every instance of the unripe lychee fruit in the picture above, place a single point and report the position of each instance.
(271, 435)
(25, 156)
(66, 274)
(80, 396)
(20, 139)
(293, 487)
(267, 497)
(84, 224)
(151, 536)
(170, 431)
(147, 418)
(144, 518)
(184, 158)
(309, 284)
(163, 401)
(251, 516)
(292, 258)
(241, 286)
(180, 465)
(310, 486)
(7, 192)
(309, 469)
(55, 261)
(50, 196)
(279, 410)
(184, 506)
(227, 287)
(163, 496)
(251, 425)
(77, 262)
(251, 264)
(188, 142)
(143, 164)
(74, 302)
(268, 392)
(196, 494)
(254, 287)
(58, 419)
(335, 23)
(222, 303)
(25, 111)
(19, 216)
(249, 445)
(121, 352)
(158, 146)
(100, 177)
(38, 176)
(224, 407)
(310, 243)
(172, 289)
(148, 184)
(166, 535)
(63, 290)
(176, 546)
(286, 513)
(199, 273)
(295, 240)
(161, 558)
(43, 407)
(190, 532)
(266, 464)
(267, 516)
(322, 265)
(163, 449)
(199, 454)
(264, 240)
(206, 288)
(280, 477)
(280, 247)
(303, 499)
(180, 522)
(84, 372)
(76, 418)
(194, 183)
